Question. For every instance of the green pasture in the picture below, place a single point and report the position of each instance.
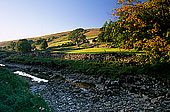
(58, 43)
(91, 37)
(101, 50)
(63, 40)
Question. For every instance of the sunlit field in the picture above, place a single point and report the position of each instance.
(102, 50)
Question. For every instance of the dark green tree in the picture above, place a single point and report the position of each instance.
(39, 41)
(33, 46)
(43, 45)
(107, 33)
(77, 36)
(23, 45)
(11, 45)
(101, 37)
(104, 26)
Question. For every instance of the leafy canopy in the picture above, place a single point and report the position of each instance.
(77, 35)
(11, 45)
(43, 45)
(145, 26)
(23, 46)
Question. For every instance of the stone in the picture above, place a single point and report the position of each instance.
(34, 70)
(126, 93)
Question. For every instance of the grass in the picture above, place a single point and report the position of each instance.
(84, 50)
(92, 32)
(58, 43)
(57, 40)
(91, 68)
(110, 69)
(104, 50)
(15, 95)
(90, 37)
(62, 40)
(3, 54)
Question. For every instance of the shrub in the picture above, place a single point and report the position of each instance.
(15, 95)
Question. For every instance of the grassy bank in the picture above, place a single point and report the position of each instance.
(92, 68)
(15, 95)
(3, 54)
(110, 69)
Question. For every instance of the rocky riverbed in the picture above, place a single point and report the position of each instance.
(68, 91)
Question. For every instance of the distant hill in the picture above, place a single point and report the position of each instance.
(58, 37)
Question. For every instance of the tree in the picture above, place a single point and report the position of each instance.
(33, 46)
(11, 45)
(77, 36)
(107, 33)
(23, 46)
(38, 42)
(43, 45)
(144, 25)
(104, 26)
(101, 37)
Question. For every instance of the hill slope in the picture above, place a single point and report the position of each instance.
(61, 37)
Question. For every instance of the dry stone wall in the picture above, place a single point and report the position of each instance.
(83, 57)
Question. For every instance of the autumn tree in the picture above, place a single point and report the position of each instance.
(144, 25)
(77, 36)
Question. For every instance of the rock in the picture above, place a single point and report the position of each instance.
(34, 70)
(126, 93)
(101, 79)
(100, 87)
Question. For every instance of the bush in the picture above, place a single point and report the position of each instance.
(23, 46)
(15, 95)
(68, 44)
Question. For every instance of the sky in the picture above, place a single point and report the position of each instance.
(32, 18)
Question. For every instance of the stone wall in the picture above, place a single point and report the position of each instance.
(82, 57)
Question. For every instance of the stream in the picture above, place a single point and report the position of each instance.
(30, 76)
(68, 91)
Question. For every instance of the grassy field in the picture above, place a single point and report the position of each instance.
(57, 43)
(15, 95)
(92, 32)
(90, 37)
(62, 38)
(97, 50)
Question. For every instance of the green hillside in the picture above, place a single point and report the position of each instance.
(58, 38)
(59, 42)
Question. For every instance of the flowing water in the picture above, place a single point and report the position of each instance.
(2, 65)
(30, 76)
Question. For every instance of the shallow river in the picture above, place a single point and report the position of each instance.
(112, 96)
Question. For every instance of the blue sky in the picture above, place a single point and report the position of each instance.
(32, 18)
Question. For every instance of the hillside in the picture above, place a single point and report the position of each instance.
(61, 36)
(59, 43)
